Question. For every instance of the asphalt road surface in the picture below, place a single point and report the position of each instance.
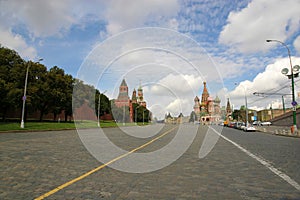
(233, 165)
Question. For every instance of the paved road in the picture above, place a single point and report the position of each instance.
(33, 164)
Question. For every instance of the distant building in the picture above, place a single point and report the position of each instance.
(169, 119)
(124, 100)
(209, 110)
(140, 99)
(176, 120)
(269, 114)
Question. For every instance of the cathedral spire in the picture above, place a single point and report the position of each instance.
(123, 83)
(228, 107)
(205, 94)
(133, 98)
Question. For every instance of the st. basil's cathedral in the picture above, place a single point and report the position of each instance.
(209, 110)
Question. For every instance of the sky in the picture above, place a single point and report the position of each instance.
(169, 47)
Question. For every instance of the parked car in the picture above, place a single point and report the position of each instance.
(221, 124)
(265, 123)
(256, 123)
(249, 128)
(239, 125)
(232, 124)
(243, 126)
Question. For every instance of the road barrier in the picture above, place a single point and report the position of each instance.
(278, 130)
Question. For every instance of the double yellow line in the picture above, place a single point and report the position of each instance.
(101, 166)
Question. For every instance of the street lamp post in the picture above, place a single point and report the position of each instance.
(246, 104)
(283, 106)
(24, 95)
(143, 116)
(136, 115)
(294, 103)
(123, 115)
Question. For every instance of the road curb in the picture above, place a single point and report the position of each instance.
(281, 131)
(43, 130)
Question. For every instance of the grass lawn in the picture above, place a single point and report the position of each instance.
(36, 126)
(31, 126)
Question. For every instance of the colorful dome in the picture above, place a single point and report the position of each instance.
(217, 100)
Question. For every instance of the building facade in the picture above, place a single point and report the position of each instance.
(208, 110)
(123, 99)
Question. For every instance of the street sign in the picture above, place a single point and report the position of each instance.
(294, 103)
(294, 108)
(24, 98)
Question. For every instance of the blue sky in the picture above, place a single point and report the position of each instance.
(231, 33)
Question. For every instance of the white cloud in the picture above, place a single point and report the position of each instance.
(17, 43)
(41, 18)
(122, 15)
(248, 29)
(174, 94)
(170, 66)
(56, 17)
(271, 81)
(177, 84)
(179, 106)
(297, 44)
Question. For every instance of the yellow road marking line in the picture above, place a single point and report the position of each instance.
(101, 167)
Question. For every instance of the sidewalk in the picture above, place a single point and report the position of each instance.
(277, 130)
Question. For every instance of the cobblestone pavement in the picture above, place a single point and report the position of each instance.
(35, 163)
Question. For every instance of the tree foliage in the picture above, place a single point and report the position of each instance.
(120, 114)
(11, 68)
(48, 91)
(105, 107)
(140, 113)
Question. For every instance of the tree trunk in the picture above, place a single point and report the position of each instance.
(4, 114)
(66, 117)
(41, 115)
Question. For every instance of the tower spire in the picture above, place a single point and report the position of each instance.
(228, 107)
(205, 94)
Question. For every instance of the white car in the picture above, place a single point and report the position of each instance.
(265, 123)
(249, 128)
(256, 123)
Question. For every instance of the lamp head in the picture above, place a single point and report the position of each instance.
(285, 71)
(296, 68)
(268, 40)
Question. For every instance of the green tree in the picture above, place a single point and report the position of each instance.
(61, 89)
(105, 106)
(243, 107)
(67, 101)
(120, 114)
(12, 76)
(143, 114)
(39, 94)
(83, 93)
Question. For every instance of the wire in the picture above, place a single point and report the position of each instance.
(273, 92)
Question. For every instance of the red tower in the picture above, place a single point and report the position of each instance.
(123, 98)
